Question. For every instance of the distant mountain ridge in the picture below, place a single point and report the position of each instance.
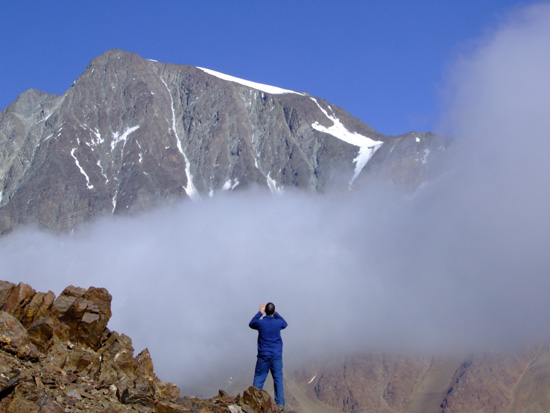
(132, 134)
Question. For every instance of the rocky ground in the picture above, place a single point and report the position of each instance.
(57, 355)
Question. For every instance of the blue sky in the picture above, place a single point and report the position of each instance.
(385, 62)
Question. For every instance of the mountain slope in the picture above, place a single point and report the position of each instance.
(131, 134)
(496, 380)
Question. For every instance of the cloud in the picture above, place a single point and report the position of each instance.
(461, 265)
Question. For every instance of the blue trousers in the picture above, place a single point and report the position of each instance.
(263, 365)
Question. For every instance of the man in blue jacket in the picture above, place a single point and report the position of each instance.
(270, 349)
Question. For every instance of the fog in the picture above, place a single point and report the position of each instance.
(463, 264)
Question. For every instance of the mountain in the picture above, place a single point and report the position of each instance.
(132, 134)
(489, 381)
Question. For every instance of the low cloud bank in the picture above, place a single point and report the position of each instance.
(464, 264)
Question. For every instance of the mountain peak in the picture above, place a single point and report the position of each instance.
(132, 134)
(112, 54)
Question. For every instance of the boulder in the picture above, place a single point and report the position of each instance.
(82, 314)
(259, 400)
(17, 299)
(41, 333)
(37, 308)
(14, 338)
(5, 290)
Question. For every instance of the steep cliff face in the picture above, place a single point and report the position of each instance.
(131, 134)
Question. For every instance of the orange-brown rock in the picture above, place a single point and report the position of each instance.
(258, 400)
(83, 314)
(17, 299)
(37, 308)
(14, 338)
(41, 333)
(5, 290)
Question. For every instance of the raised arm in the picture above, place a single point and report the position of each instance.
(254, 322)
(284, 324)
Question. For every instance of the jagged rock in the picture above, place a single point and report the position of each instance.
(14, 337)
(168, 407)
(8, 381)
(143, 392)
(250, 402)
(258, 400)
(37, 308)
(41, 333)
(84, 314)
(82, 360)
(145, 364)
(117, 358)
(78, 365)
(18, 299)
(5, 289)
(169, 391)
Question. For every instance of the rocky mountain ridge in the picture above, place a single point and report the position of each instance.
(132, 134)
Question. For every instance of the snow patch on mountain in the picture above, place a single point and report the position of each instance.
(99, 139)
(259, 86)
(88, 185)
(102, 171)
(367, 146)
(272, 184)
(425, 157)
(117, 137)
(190, 189)
(230, 184)
(114, 201)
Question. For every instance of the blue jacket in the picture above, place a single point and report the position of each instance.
(269, 329)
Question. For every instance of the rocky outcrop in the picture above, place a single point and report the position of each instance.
(57, 355)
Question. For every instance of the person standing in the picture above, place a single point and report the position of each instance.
(270, 349)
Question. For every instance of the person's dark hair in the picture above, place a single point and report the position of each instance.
(270, 308)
